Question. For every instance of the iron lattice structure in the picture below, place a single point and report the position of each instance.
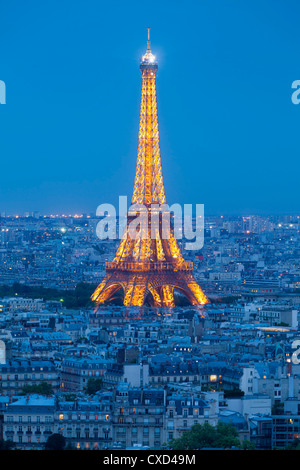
(149, 264)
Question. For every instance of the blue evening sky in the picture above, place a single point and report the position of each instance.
(229, 132)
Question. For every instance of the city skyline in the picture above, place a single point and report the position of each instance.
(149, 228)
(227, 123)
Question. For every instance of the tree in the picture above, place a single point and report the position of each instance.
(234, 393)
(70, 397)
(248, 445)
(205, 435)
(6, 445)
(93, 385)
(70, 446)
(79, 297)
(43, 388)
(55, 442)
(294, 445)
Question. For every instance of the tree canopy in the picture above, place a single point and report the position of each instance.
(223, 436)
(43, 388)
(93, 385)
(55, 442)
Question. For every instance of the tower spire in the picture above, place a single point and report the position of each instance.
(148, 42)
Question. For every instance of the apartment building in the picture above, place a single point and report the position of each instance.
(85, 424)
(28, 422)
(75, 372)
(18, 372)
(138, 416)
(276, 313)
(183, 412)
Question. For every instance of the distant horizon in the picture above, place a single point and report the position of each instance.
(66, 214)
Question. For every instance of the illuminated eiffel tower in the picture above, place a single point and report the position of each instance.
(149, 265)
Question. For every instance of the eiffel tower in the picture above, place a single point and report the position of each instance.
(149, 265)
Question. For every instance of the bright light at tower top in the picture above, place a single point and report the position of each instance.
(149, 58)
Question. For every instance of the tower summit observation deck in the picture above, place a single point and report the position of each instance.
(149, 265)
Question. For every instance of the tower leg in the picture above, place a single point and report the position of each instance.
(167, 296)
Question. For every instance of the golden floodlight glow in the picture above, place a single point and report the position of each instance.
(148, 266)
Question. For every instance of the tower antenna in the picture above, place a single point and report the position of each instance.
(148, 42)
